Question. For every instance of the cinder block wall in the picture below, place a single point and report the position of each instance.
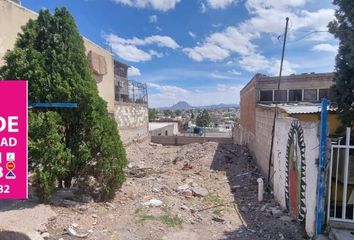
(132, 120)
(263, 140)
(247, 105)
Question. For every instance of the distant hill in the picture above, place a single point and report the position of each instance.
(182, 105)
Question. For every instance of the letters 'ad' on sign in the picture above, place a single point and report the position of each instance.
(13, 139)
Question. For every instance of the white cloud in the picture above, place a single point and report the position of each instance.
(219, 4)
(258, 62)
(133, 72)
(153, 19)
(168, 95)
(265, 18)
(127, 48)
(325, 47)
(221, 76)
(234, 72)
(160, 5)
(207, 51)
(193, 35)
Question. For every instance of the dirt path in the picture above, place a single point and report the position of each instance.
(200, 191)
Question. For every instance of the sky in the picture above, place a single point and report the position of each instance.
(205, 51)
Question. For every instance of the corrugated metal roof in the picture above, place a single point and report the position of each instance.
(303, 109)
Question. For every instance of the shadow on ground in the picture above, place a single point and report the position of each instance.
(10, 235)
(258, 221)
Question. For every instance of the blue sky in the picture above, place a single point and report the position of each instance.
(205, 51)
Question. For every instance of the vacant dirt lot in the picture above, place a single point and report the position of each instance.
(197, 191)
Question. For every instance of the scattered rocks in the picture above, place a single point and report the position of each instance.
(184, 207)
(276, 212)
(187, 193)
(45, 235)
(217, 219)
(245, 209)
(200, 191)
(153, 203)
(286, 218)
(75, 225)
(72, 232)
(109, 205)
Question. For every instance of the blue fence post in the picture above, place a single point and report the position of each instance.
(321, 169)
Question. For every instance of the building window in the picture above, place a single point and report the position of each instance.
(323, 93)
(266, 96)
(310, 94)
(280, 96)
(295, 95)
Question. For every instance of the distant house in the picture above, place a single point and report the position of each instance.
(163, 128)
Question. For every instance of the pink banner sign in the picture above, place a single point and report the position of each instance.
(13, 139)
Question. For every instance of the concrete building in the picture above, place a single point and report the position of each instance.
(163, 128)
(294, 158)
(126, 100)
(257, 100)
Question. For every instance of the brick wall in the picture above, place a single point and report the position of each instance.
(132, 120)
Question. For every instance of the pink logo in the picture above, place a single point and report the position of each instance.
(13, 139)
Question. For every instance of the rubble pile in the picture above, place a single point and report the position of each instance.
(196, 191)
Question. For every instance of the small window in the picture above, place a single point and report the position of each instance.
(323, 93)
(295, 95)
(280, 96)
(266, 96)
(310, 95)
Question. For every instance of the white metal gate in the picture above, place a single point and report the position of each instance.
(341, 182)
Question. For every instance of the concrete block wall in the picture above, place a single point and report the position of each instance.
(247, 105)
(263, 140)
(132, 120)
(184, 140)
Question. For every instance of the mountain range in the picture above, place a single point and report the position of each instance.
(182, 105)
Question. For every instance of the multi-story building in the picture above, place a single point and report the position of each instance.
(126, 100)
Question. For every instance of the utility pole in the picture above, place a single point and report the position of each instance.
(276, 101)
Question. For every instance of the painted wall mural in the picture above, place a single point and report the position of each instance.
(295, 173)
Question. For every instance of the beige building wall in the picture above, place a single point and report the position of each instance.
(14, 16)
(105, 83)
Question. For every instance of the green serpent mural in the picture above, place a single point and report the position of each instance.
(295, 180)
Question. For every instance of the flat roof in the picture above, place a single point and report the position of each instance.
(303, 109)
(157, 125)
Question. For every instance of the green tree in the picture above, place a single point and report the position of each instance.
(203, 119)
(152, 114)
(65, 143)
(178, 113)
(342, 91)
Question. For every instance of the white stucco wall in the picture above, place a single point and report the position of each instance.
(311, 139)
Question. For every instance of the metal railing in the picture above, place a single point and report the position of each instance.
(132, 92)
(341, 210)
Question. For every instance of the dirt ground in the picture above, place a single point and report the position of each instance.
(198, 191)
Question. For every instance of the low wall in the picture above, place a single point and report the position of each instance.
(295, 170)
(132, 120)
(184, 140)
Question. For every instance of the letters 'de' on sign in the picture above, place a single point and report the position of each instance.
(13, 139)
